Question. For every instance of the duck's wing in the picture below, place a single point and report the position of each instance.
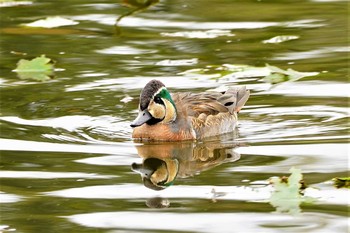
(212, 103)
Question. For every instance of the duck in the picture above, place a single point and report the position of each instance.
(163, 116)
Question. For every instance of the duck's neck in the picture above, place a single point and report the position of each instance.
(170, 113)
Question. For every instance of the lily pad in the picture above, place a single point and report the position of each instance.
(40, 68)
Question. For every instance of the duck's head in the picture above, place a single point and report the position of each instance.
(156, 173)
(156, 105)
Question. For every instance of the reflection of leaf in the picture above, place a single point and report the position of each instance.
(343, 182)
(40, 68)
(286, 196)
(51, 22)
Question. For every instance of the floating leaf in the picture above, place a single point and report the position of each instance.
(280, 39)
(286, 196)
(40, 68)
(343, 182)
(52, 22)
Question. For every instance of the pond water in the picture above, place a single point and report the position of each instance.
(67, 158)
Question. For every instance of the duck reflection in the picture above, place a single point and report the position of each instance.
(163, 163)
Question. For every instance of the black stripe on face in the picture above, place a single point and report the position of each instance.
(153, 121)
(158, 100)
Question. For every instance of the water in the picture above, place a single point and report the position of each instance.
(67, 153)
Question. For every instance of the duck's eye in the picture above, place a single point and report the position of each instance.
(158, 100)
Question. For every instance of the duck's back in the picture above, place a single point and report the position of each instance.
(210, 113)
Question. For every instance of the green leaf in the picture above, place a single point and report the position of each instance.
(290, 74)
(286, 196)
(276, 78)
(40, 68)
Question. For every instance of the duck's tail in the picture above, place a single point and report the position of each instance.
(235, 98)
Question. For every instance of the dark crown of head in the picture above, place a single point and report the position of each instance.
(148, 91)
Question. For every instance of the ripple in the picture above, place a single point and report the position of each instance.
(302, 123)
(109, 160)
(111, 127)
(180, 62)
(9, 198)
(317, 53)
(254, 193)
(50, 175)
(161, 22)
(320, 111)
(319, 158)
(311, 88)
(212, 222)
(199, 34)
(125, 50)
(108, 148)
(132, 83)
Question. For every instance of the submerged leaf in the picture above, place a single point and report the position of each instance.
(286, 196)
(343, 182)
(276, 78)
(40, 68)
(290, 74)
(52, 22)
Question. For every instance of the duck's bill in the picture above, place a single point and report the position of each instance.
(142, 118)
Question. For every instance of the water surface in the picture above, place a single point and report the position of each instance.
(67, 152)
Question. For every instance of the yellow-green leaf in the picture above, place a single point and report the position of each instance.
(286, 196)
(40, 68)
